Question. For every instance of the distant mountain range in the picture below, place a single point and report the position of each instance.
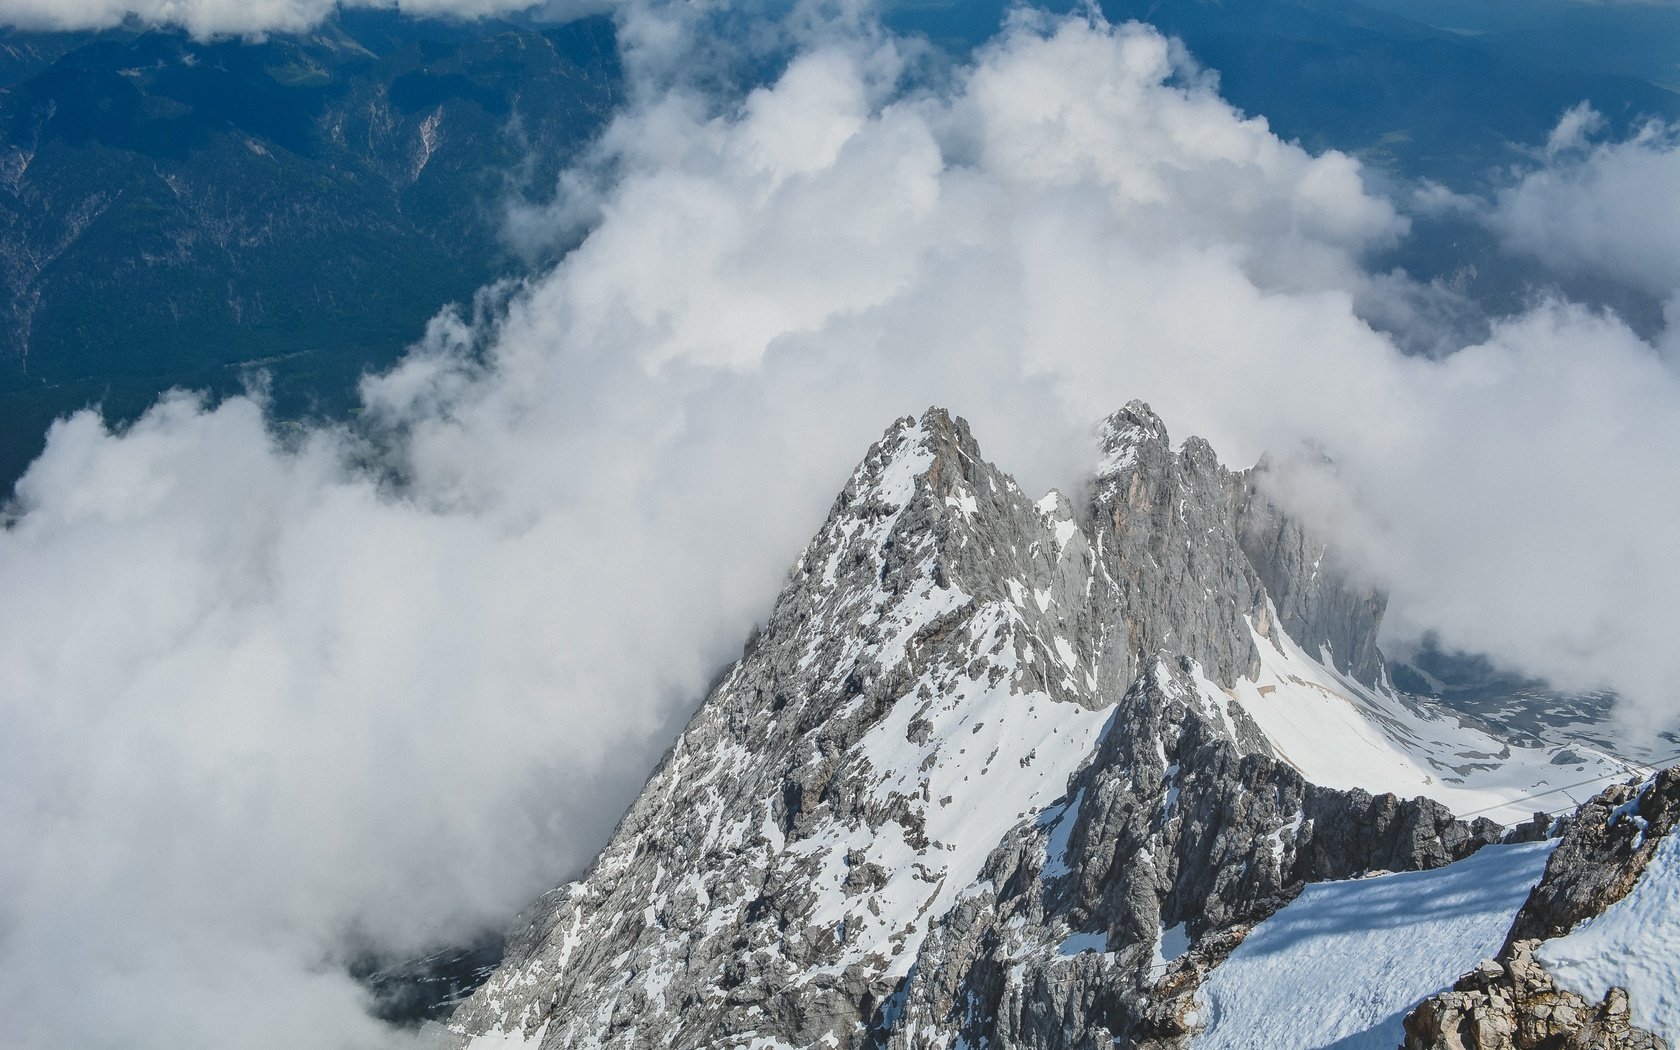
(175, 212)
(1443, 89)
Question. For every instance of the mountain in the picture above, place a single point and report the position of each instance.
(1005, 772)
(178, 212)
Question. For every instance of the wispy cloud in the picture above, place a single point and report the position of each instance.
(1602, 208)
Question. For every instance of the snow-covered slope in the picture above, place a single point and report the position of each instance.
(1342, 733)
(1342, 964)
(1589, 960)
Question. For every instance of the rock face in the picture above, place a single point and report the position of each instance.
(1174, 840)
(1512, 1002)
(978, 735)
(1317, 604)
(1606, 847)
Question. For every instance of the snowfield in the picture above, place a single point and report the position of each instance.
(1343, 963)
(1341, 734)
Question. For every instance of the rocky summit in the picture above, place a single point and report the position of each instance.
(1005, 772)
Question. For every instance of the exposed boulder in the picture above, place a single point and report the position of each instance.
(1514, 1004)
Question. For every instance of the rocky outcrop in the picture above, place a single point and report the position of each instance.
(1164, 527)
(1514, 1004)
(1605, 848)
(1317, 602)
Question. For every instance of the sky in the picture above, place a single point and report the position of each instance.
(265, 692)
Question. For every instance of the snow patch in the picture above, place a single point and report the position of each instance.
(507, 1040)
(1076, 943)
(964, 502)
(1629, 811)
(1170, 943)
(1065, 650)
(897, 482)
(1060, 820)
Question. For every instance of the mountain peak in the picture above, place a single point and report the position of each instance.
(935, 453)
(1126, 435)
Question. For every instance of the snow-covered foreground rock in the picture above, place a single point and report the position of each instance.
(1005, 772)
(1634, 944)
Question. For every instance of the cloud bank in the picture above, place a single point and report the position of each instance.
(1602, 208)
(208, 18)
(259, 692)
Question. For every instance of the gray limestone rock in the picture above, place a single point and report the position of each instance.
(1604, 850)
(1514, 1004)
(1317, 602)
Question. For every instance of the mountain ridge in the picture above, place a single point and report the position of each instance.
(978, 729)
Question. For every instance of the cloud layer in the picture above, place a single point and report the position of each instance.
(258, 691)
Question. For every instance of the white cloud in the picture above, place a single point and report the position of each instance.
(255, 693)
(1577, 125)
(208, 18)
(1606, 208)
